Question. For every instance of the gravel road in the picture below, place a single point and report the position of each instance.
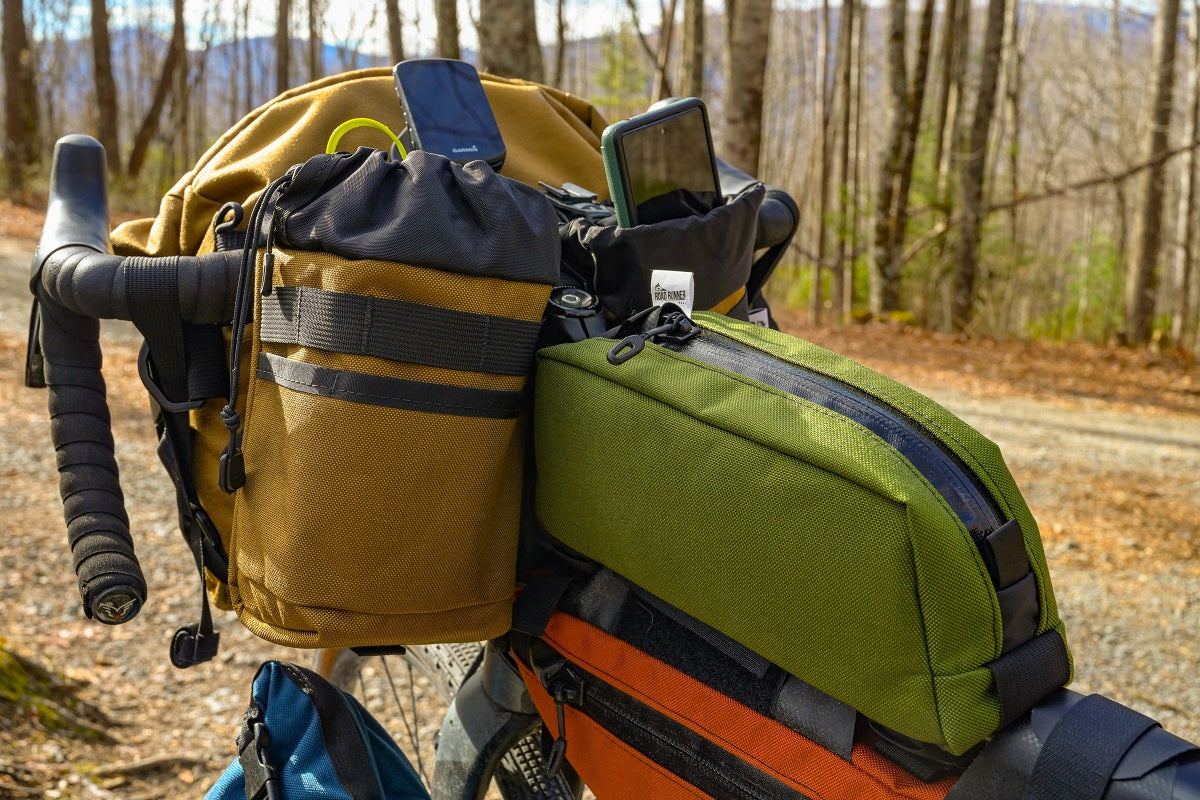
(1114, 487)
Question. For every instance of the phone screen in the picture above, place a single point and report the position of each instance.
(448, 109)
(669, 167)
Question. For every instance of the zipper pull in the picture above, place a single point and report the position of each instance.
(269, 255)
(675, 327)
(566, 687)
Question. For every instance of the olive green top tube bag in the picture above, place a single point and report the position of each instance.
(376, 428)
(841, 525)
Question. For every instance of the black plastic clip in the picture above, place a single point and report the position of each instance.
(262, 779)
(189, 647)
(146, 372)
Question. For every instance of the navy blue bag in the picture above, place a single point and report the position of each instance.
(302, 737)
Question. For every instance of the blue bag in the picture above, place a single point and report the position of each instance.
(302, 737)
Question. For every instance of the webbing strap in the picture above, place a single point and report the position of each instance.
(1030, 672)
(380, 390)
(1084, 749)
(536, 604)
(152, 293)
(398, 330)
(207, 367)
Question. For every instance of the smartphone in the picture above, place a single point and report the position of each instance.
(446, 111)
(660, 164)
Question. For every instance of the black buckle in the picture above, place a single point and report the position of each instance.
(156, 392)
(262, 779)
(35, 361)
(189, 647)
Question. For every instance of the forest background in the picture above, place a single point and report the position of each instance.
(1001, 168)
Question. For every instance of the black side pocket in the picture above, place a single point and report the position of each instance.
(717, 247)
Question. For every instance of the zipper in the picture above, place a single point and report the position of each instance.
(962, 489)
(632, 722)
(675, 328)
(565, 686)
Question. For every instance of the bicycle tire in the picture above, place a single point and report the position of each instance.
(521, 774)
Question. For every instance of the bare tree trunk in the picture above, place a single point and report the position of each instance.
(316, 41)
(662, 61)
(885, 294)
(966, 264)
(1141, 287)
(748, 23)
(235, 67)
(446, 12)
(1014, 78)
(816, 298)
(247, 61)
(106, 87)
(508, 39)
(691, 76)
(395, 30)
(859, 157)
(913, 108)
(956, 36)
(175, 57)
(842, 290)
(1185, 254)
(283, 46)
(560, 42)
(20, 98)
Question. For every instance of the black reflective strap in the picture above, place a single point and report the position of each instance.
(377, 390)
(399, 331)
(1084, 749)
(1029, 673)
(536, 604)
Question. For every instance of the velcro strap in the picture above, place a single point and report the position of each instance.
(536, 604)
(1082, 752)
(1028, 673)
(397, 330)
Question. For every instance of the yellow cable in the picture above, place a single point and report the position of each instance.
(361, 122)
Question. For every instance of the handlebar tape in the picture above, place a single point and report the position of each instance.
(111, 583)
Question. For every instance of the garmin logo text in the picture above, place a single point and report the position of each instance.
(471, 149)
(662, 295)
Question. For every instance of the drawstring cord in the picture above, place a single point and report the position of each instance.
(233, 469)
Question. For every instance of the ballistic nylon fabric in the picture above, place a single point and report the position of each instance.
(611, 769)
(783, 525)
(366, 525)
(550, 136)
(766, 744)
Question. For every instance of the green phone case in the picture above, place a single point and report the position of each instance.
(612, 171)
